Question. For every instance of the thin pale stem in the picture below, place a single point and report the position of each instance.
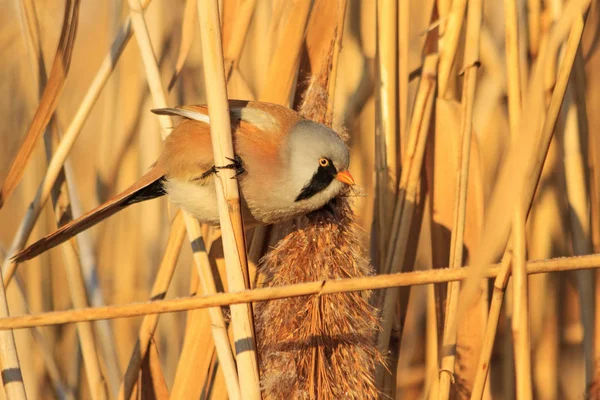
(301, 289)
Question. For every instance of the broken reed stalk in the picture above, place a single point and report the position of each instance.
(159, 98)
(302, 289)
(450, 44)
(527, 157)
(520, 315)
(471, 62)
(159, 290)
(230, 217)
(65, 146)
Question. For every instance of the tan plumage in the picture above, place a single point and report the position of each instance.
(280, 151)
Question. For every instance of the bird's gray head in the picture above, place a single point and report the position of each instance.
(318, 163)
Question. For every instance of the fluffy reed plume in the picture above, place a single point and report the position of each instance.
(323, 346)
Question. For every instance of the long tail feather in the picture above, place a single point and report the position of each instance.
(148, 187)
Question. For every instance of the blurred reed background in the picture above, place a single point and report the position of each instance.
(451, 108)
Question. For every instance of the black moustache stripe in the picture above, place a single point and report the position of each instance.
(320, 180)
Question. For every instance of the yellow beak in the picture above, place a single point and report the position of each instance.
(344, 176)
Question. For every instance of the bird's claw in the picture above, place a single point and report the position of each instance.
(236, 164)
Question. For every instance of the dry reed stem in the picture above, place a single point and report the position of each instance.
(386, 127)
(471, 60)
(432, 354)
(234, 35)
(188, 29)
(533, 26)
(490, 329)
(77, 291)
(303, 289)
(87, 260)
(285, 61)
(579, 217)
(12, 378)
(42, 339)
(234, 247)
(159, 98)
(159, 290)
(196, 359)
(337, 47)
(579, 213)
(450, 44)
(97, 385)
(152, 380)
(406, 201)
(66, 144)
(218, 327)
(513, 65)
(48, 101)
(404, 42)
(520, 315)
(528, 157)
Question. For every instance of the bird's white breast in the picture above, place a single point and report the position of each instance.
(198, 200)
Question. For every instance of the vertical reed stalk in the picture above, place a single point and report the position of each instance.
(490, 329)
(407, 193)
(520, 315)
(404, 43)
(12, 378)
(218, 327)
(513, 65)
(386, 125)
(474, 17)
(159, 97)
(228, 196)
(579, 216)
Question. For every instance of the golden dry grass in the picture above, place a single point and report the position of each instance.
(472, 128)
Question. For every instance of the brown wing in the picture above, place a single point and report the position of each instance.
(258, 129)
(147, 187)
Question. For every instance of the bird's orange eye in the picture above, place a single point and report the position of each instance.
(323, 162)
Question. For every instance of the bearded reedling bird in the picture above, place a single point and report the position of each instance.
(287, 166)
